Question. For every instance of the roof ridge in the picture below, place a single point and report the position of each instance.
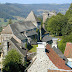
(53, 56)
(34, 17)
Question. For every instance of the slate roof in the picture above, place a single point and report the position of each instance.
(60, 54)
(23, 26)
(46, 38)
(32, 17)
(56, 60)
(68, 50)
(17, 33)
(22, 50)
(32, 32)
(7, 30)
(19, 27)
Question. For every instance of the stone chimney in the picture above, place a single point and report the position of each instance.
(41, 49)
(54, 44)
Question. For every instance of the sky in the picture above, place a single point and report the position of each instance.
(37, 1)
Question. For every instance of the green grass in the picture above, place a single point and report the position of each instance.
(33, 48)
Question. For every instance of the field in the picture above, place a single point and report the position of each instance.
(33, 48)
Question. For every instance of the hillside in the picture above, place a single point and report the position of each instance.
(9, 10)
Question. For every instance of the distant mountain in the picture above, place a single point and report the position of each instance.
(9, 10)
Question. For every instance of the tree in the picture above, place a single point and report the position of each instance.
(56, 24)
(10, 21)
(13, 62)
(69, 12)
(62, 43)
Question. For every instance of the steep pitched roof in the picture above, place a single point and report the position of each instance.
(60, 54)
(23, 26)
(32, 17)
(32, 32)
(57, 61)
(68, 50)
(46, 38)
(59, 70)
(16, 32)
(7, 30)
(22, 50)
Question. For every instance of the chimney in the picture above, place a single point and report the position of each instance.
(54, 44)
(41, 50)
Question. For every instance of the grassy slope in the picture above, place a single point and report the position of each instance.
(33, 49)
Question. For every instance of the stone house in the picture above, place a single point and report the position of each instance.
(18, 34)
(48, 59)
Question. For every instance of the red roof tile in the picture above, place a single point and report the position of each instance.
(59, 71)
(56, 60)
(68, 50)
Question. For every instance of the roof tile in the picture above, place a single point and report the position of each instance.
(57, 61)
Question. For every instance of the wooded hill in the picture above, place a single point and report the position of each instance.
(9, 10)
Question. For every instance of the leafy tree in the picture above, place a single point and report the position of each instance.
(56, 25)
(69, 12)
(13, 62)
(10, 21)
(62, 43)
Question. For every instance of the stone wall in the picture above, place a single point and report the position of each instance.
(42, 63)
(5, 37)
(47, 15)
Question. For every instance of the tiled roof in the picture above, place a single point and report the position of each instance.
(59, 70)
(57, 61)
(68, 50)
(60, 54)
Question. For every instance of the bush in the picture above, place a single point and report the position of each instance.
(13, 62)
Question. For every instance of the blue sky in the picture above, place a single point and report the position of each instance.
(36, 1)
